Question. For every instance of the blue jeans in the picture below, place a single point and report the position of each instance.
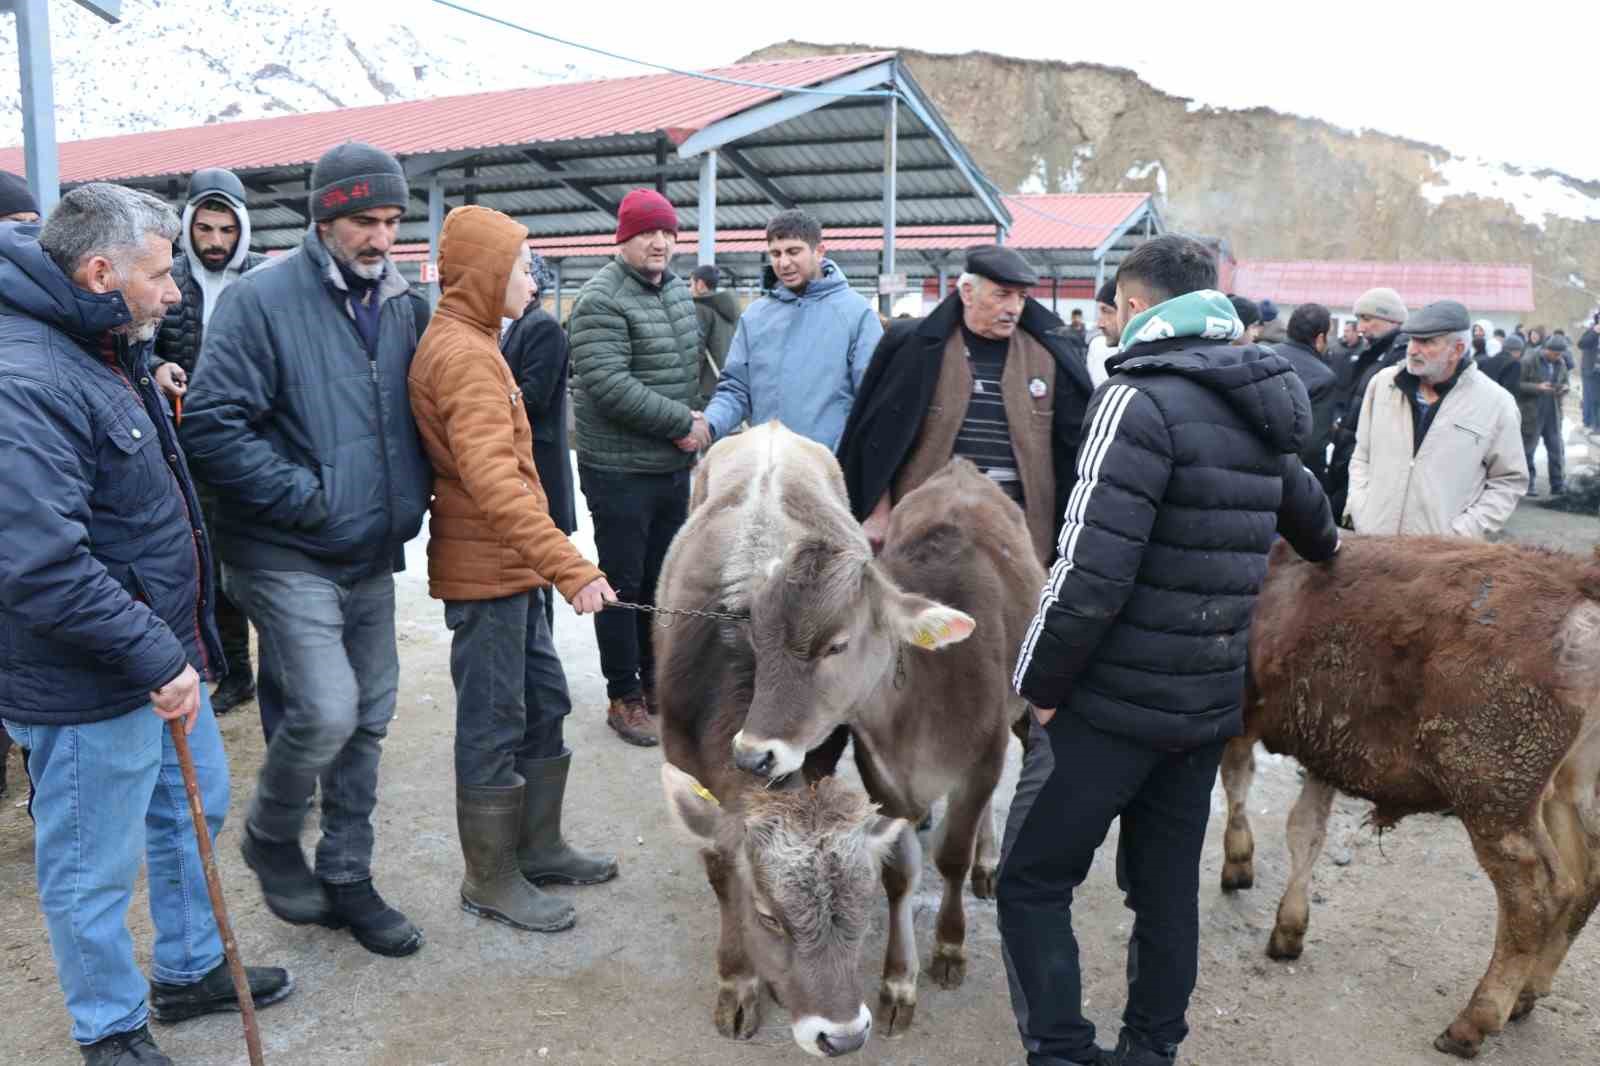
(329, 651)
(108, 795)
(511, 692)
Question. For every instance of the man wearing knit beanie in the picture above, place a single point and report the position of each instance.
(1379, 313)
(298, 417)
(16, 199)
(635, 363)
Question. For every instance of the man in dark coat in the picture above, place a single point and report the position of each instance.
(1589, 364)
(1305, 347)
(717, 311)
(992, 376)
(536, 350)
(105, 606)
(1379, 313)
(1136, 659)
(1505, 366)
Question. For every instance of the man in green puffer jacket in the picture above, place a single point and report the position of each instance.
(635, 364)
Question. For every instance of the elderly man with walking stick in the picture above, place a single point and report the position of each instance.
(105, 603)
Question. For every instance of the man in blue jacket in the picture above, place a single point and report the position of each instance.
(1136, 660)
(299, 419)
(799, 353)
(105, 611)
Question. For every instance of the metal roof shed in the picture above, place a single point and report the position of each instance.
(727, 149)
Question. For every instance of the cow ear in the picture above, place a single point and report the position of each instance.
(926, 624)
(690, 804)
(883, 834)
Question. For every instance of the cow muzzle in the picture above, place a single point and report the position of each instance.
(766, 758)
(828, 1040)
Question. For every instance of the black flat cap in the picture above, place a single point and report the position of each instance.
(1556, 343)
(1441, 316)
(1513, 343)
(1001, 264)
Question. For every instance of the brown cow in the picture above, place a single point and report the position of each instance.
(1429, 674)
(836, 640)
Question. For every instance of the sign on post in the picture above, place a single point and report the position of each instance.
(429, 274)
(889, 284)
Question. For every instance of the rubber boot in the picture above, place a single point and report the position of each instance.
(543, 855)
(488, 820)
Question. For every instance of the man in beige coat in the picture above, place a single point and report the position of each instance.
(1439, 444)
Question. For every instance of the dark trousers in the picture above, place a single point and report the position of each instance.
(1591, 399)
(511, 692)
(635, 518)
(1547, 427)
(1075, 781)
(232, 625)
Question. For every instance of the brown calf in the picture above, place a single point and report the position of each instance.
(1428, 674)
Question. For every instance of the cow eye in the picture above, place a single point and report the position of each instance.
(836, 648)
(770, 921)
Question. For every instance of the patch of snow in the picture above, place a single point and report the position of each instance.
(1038, 180)
(1141, 170)
(1080, 155)
(1534, 197)
(1576, 281)
(1195, 105)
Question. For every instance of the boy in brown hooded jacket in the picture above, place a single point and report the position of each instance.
(492, 548)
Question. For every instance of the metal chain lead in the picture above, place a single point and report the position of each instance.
(721, 616)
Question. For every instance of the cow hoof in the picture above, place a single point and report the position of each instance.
(948, 967)
(1462, 1041)
(897, 1007)
(1238, 876)
(983, 881)
(1525, 1004)
(1286, 946)
(738, 1013)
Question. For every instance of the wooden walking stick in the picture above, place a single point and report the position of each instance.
(241, 984)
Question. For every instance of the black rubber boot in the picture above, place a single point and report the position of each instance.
(125, 1049)
(376, 926)
(488, 821)
(214, 993)
(546, 858)
(287, 884)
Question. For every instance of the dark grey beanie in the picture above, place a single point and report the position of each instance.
(15, 196)
(355, 177)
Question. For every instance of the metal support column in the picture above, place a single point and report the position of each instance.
(891, 164)
(38, 102)
(708, 208)
(943, 278)
(435, 225)
(555, 277)
(1055, 295)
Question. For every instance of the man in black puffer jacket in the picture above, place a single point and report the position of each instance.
(1136, 661)
(213, 251)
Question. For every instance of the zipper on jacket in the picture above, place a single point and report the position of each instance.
(383, 443)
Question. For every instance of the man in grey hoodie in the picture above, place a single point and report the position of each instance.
(799, 352)
(212, 252)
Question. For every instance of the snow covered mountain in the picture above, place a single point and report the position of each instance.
(175, 63)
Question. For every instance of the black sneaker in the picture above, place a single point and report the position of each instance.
(234, 692)
(1133, 1052)
(287, 885)
(376, 926)
(125, 1049)
(214, 993)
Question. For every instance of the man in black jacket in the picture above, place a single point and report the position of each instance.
(1305, 349)
(992, 376)
(1379, 313)
(1136, 660)
(213, 250)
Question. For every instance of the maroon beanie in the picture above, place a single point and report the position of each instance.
(644, 210)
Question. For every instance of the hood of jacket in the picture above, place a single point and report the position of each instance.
(830, 281)
(240, 251)
(1259, 384)
(723, 303)
(478, 249)
(32, 284)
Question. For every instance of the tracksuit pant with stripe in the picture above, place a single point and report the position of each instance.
(1075, 781)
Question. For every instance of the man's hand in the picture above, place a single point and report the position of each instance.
(179, 698)
(699, 438)
(1044, 714)
(1545, 386)
(593, 596)
(876, 525)
(173, 379)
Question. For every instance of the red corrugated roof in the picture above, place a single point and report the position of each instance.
(1068, 222)
(675, 103)
(1481, 286)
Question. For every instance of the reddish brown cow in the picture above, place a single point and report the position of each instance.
(1429, 674)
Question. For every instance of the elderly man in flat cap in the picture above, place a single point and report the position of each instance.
(1439, 444)
(1379, 313)
(972, 379)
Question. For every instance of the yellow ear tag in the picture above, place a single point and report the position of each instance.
(927, 636)
(703, 792)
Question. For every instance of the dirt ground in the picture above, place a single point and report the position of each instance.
(1400, 931)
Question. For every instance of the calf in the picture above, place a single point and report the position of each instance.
(837, 645)
(1428, 674)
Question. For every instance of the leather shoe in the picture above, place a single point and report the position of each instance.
(215, 993)
(125, 1049)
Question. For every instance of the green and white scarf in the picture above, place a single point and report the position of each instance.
(1205, 313)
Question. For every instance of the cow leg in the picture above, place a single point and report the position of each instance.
(897, 998)
(969, 807)
(1529, 911)
(986, 854)
(738, 1011)
(1575, 830)
(1238, 843)
(1308, 829)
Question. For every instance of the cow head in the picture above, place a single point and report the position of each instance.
(801, 867)
(827, 629)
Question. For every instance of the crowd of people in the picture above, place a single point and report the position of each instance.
(201, 440)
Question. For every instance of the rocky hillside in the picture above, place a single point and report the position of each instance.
(1276, 186)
